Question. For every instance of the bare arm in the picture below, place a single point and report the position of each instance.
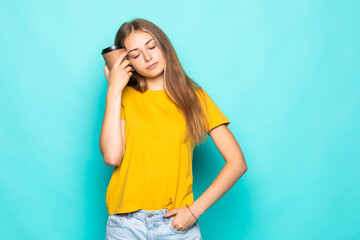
(234, 168)
(112, 138)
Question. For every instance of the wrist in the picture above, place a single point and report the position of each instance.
(112, 93)
(192, 213)
(196, 209)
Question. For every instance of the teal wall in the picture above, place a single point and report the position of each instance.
(286, 74)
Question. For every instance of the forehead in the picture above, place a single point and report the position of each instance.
(136, 39)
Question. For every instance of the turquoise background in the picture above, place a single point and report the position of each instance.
(286, 74)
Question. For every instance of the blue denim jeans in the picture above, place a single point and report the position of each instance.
(147, 225)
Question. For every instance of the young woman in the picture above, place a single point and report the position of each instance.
(154, 116)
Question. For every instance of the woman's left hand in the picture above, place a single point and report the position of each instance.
(183, 219)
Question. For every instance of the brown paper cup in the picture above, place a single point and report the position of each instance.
(111, 54)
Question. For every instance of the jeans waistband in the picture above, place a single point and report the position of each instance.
(144, 215)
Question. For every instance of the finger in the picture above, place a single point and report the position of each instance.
(169, 213)
(128, 68)
(120, 58)
(125, 63)
(106, 70)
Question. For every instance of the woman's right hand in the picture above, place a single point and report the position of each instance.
(119, 75)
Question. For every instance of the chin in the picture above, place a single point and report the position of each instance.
(154, 74)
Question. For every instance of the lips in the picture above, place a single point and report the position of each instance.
(152, 65)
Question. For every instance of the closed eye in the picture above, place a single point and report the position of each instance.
(149, 48)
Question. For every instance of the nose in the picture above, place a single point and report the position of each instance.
(147, 56)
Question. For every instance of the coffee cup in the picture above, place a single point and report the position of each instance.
(111, 54)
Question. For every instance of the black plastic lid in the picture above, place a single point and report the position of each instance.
(109, 49)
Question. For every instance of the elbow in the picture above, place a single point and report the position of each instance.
(242, 168)
(112, 161)
(238, 169)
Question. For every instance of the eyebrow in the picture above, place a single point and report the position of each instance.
(137, 48)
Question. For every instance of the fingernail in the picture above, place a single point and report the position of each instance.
(164, 214)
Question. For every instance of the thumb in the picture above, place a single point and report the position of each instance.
(106, 70)
(170, 213)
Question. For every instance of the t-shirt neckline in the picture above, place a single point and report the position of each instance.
(155, 91)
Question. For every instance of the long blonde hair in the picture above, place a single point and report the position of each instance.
(180, 88)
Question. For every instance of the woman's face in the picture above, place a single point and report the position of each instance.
(143, 52)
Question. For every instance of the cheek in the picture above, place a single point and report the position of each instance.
(161, 58)
(159, 55)
(135, 65)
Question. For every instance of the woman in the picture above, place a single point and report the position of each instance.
(154, 116)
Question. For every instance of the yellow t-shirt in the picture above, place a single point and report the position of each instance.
(156, 170)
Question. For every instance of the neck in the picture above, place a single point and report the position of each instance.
(156, 83)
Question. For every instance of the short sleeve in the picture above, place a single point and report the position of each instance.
(122, 114)
(212, 111)
(126, 93)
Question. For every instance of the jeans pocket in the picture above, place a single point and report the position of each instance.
(115, 220)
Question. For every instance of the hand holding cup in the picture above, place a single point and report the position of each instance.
(120, 72)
